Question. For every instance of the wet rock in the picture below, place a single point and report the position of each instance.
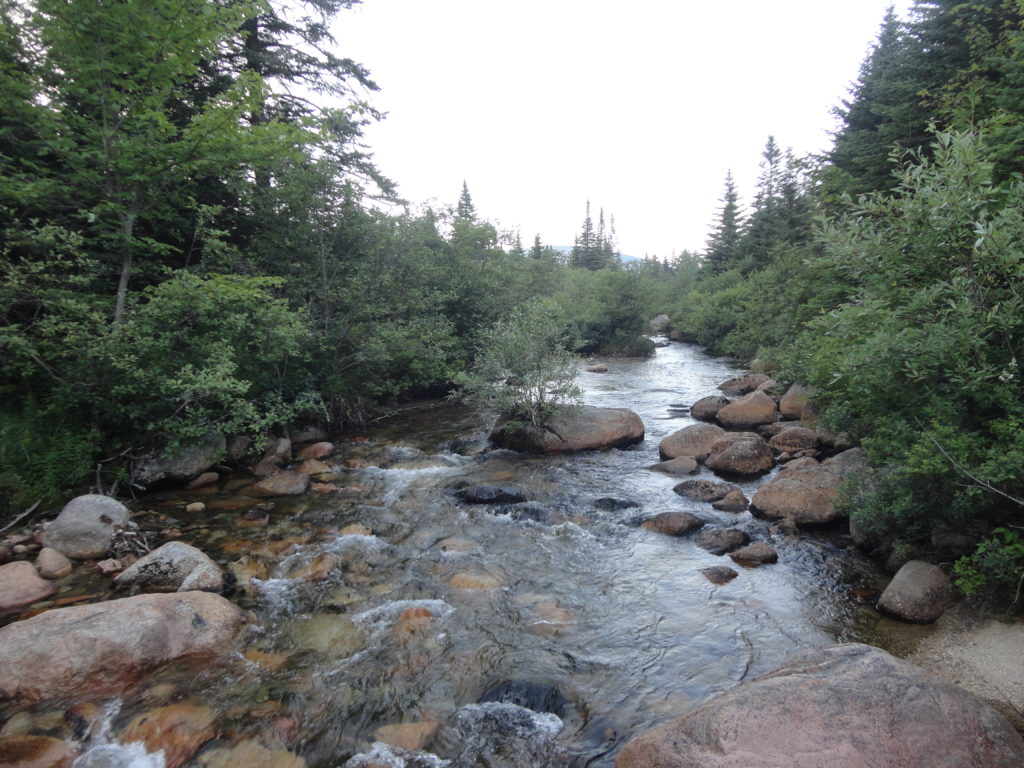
(791, 405)
(704, 490)
(505, 735)
(356, 529)
(614, 504)
(174, 567)
(681, 465)
(749, 411)
(317, 569)
(249, 754)
(313, 467)
(741, 385)
(707, 408)
(86, 526)
(540, 697)
(207, 478)
(574, 429)
(672, 523)
(281, 484)
(733, 501)
(848, 706)
(474, 580)
(490, 494)
(410, 626)
(316, 451)
(740, 453)
(596, 369)
(106, 647)
(454, 544)
(719, 541)
(719, 574)
(804, 490)
(919, 593)
(180, 464)
(758, 553)
(195, 508)
(381, 755)
(269, 466)
(328, 634)
(694, 441)
(110, 566)
(794, 439)
(51, 564)
(528, 511)
(409, 736)
(178, 730)
(21, 585)
(35, 752)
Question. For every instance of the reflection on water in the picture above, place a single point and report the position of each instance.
(408, 619)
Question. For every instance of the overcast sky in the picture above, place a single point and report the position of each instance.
(639, 106)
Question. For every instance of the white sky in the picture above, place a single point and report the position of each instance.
(640, 106)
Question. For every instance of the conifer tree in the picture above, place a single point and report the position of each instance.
(722, 250)
(465, 210)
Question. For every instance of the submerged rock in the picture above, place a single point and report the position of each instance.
(540, 697)
(281, 484)
(505, 735)
(86, 526)
(249, 754)
(574, 429)
(178, 730)
(681, 465)
(848, 706)
(106, 647)
(490, 494)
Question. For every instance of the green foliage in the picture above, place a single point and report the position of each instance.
(997, 563)
(522, 368)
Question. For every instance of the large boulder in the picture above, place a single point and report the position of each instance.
(86, 526)
(793, 439)
(21, 585)
(574, 429)
(694, 441)
(749, 411)
(919, 592)
(105, 648)
(741, 385)
(804, 490)
(707, 408)
(182, 463)
(848, 706)
(173, 567)
(740, 453)
(35, 752)
(791, 404)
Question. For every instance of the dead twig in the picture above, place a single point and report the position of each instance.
(22, 516)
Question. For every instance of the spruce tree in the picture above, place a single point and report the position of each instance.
(722, 250)
(465, 210)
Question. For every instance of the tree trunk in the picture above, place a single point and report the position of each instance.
(127, 229)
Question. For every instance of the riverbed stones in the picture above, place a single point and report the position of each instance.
(744, 454)
(316, 451)
(919, 592)
(178, 730)
(704, 490)
(173, 567)
(21, 585)
(804, 490)
(570, 430)
(719, 541)
(794, 439)
(599, 368)
(249, 754)
(741, 385)
(29, 751)
(681, 465)
(86, 526)
(490, 494)
(51, 564)
(281, 484)
(758, 553)
(707, 408)
(733, 501)
(473, 580)
(751, 410)
(411, 736)
(847, 706)
(791, 404)
(719, 574)
(694, 441)
(104, 648)
(673, 523)
(182, 463)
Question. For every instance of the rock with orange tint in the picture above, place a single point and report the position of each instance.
(105, 648)
(355, 529)
(411, 623)
(179, 730)
(51, 564)
(268, 661)
(411, 736)
(316, 451)
(249, 754)
(281, 484)
(20, 585)
(474, 580)
(323, 487)
(318, 568)
(35, 752)
(313, 467)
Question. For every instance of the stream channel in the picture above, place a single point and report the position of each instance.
(448, 601)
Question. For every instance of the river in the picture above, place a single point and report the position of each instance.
(615, 625)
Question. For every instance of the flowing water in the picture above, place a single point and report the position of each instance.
(611, 628)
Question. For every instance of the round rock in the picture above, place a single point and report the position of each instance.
(85, 527)
(919, 593)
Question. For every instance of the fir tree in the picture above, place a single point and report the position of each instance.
(465, 210)
(722, 250)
